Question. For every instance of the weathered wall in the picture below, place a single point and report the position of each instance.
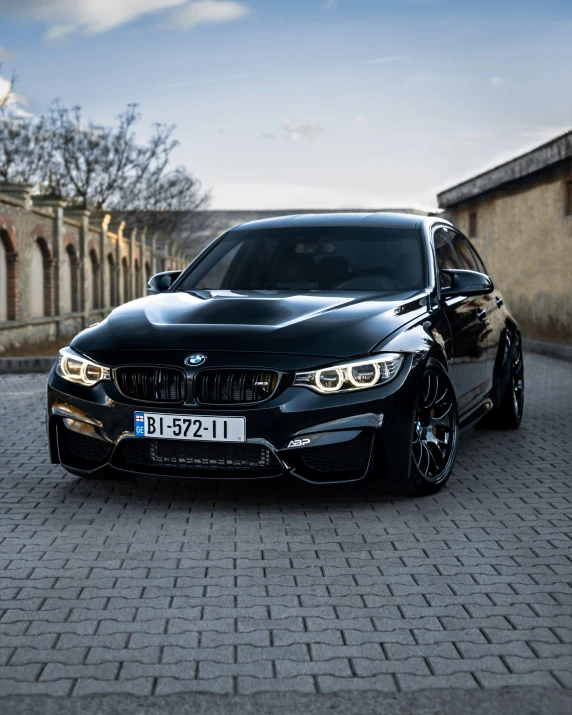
(525, 238)
(61, 271)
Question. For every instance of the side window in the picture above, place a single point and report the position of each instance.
(464, 252)
(446, 257)
(478, 260)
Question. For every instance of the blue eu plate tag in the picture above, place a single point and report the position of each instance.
(140, 424)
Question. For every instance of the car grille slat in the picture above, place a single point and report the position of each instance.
(227, 387)
(151, 384)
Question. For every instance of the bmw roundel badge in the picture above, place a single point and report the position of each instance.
(195, 359)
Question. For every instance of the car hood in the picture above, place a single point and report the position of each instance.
(329, 324)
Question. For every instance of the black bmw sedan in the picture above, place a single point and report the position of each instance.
(331, 348)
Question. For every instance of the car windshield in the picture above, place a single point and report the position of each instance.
(316, 258)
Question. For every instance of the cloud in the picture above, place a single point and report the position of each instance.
(299, 131)
(329, 4)
(5, 54)
(286, 195)
(497, 81)
(360, 122)
(544, 133)
(384, 60)
(475, 134)
(268, 135)
(64, 17)
(207, 82)
(56, 32)
(9, 98)
(203, 12)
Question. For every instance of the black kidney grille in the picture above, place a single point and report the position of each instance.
(151, 384)
(179, 454)
(227, 387)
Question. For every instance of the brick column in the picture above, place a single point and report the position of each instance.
(154, 254)
(104, 291)
(13, 271)
(142, 288)
(49, 285)
(82, 215)
(119, 267)
(53, 267)
(132, 246)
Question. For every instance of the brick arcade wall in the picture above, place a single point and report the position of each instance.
(73, 251)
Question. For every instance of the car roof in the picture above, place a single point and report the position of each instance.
(381, 219)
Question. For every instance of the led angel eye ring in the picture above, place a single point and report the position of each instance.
(356, 383)
(339, 383)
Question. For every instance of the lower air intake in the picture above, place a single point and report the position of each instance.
(160, 455)
(334, 462)
(78, 450)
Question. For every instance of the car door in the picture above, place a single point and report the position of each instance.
(496, 318)
(466, 316)
(488, 306)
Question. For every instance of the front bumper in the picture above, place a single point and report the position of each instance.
(320, 439)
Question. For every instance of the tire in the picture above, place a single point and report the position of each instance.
(507, 413)
(434, 437)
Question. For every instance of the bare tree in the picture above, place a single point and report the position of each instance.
(166, 202)
(102, 168)
(23, 141)
(107, 169)
(91, 164)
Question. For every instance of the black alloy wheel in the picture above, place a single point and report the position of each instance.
(517, 380)
(435, 431)
(508, 412)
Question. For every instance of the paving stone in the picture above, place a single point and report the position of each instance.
(246, 685)
(154, 587)
(382, 683)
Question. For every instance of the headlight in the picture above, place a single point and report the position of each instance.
(75, 368)
(356, 375)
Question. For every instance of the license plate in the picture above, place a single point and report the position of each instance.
(190, 427)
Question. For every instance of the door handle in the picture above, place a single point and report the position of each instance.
(499, 301)
(481, 314)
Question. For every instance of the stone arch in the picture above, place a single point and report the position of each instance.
(9, 274)
(112, 275)
(94, 302)
(138, 276)
(147, 273)
(70, 283)
(125, 280)
(41, 279)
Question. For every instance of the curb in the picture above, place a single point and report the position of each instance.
(15, 365)
(545, 347)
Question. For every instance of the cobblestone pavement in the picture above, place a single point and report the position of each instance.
(150, 586)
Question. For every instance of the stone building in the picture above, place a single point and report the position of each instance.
(519, 215)
(61, 270)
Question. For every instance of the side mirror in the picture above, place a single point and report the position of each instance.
(161, 282)
(464, 283)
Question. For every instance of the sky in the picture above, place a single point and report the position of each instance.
(308, 103)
